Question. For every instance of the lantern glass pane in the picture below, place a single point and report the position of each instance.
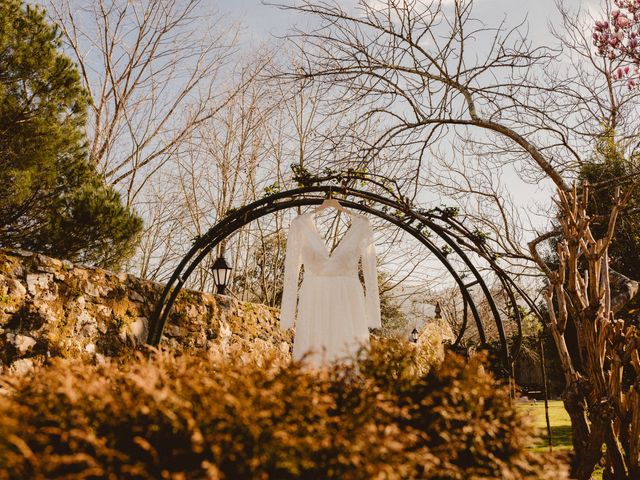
(221, 276)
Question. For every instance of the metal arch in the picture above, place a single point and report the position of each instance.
(258, 213)
(232, 225)
(298, 197)
(508, 284)
(207, 239)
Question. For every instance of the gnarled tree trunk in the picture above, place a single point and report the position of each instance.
(604, 410)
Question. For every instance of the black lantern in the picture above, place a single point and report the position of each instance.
(414, 335)
(221, 274)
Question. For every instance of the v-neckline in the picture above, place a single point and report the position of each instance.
(316, 232)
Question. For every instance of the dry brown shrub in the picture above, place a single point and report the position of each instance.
(386, 415)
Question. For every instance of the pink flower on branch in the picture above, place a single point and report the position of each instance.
(623, 22)
(617, 39)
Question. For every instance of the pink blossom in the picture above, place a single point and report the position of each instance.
(623, 22)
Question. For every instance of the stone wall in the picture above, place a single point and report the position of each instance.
(52, 308)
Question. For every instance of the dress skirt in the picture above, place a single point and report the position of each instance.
(331, 321)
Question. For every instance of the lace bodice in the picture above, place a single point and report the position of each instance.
(306, 247)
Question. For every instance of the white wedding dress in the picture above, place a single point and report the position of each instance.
(333, 311)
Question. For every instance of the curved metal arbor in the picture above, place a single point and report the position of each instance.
(419, 223)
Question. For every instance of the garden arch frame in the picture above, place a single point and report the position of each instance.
(393, 208)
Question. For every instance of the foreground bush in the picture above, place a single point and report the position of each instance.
(385, 416)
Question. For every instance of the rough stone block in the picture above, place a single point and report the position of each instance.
(70, 310)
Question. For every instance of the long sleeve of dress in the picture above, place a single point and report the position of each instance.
(369, 270)
(292, 264)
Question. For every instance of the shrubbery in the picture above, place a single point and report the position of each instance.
(384, 416)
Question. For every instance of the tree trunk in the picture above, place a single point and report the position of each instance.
(588, 296)
(545, 389)
(573, 402)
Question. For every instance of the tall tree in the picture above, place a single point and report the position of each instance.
(51, 198)
(151, 69)
(607, 167)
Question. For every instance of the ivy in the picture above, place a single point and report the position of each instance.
(444, 212)
(272, 189)
(479, 237)
(424, 231)
(303, 176)
(449, 212)
(399, 215)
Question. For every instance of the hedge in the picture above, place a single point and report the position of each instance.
(384, 415)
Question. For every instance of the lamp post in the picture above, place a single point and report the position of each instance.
(221, 274)
(414, 335)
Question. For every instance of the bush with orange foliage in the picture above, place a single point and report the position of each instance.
(386, 415)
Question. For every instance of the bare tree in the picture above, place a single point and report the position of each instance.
(217, 169)
(418, 70)
(152, 70)
(607, 346)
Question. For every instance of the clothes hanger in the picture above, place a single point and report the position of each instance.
(331, 202)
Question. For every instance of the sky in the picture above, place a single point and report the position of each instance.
(261, 21)
(264, 23)
(261, 24)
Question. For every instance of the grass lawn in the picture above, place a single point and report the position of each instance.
(560, 428)
(560, 425)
